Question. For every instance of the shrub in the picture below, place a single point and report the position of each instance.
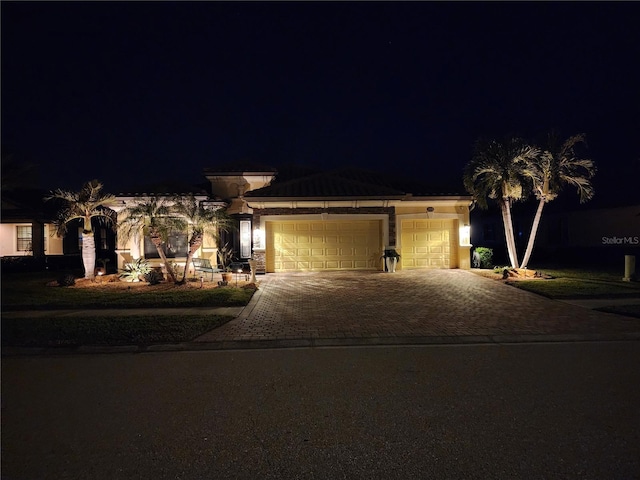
(154, 277)
(485, 257)
(135, 270)
(66, 280)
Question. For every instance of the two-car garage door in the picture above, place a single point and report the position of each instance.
(296, 245)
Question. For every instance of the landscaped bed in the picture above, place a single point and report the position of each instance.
(41, 292)
(567, 283)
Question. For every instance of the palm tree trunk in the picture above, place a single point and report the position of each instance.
(88, 255)
(157, 241)
(508, 232)
(195, 242)
(532, 235)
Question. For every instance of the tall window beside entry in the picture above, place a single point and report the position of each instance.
(25, 238)
(245, 238)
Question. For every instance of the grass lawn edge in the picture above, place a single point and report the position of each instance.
(70, 332)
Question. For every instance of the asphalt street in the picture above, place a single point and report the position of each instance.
(562, 410)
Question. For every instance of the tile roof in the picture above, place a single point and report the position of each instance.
(345, 182)
(326, 184)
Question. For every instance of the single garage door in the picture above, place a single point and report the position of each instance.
(428, 244)
(323, 245)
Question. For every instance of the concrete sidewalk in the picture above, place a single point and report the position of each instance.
(594, 303)
(127, 312)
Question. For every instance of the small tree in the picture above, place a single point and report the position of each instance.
(86, 205)
(155, 218)
(201, 221)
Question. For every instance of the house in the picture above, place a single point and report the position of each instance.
(299, 219)
(28, 239)
(26, 229)
(591, 234)
(287, 219)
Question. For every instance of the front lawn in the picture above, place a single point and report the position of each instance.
(572, 283)
(33, 291)
(562, 287)
(102, 330)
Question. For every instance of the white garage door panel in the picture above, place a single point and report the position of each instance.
(323, 245)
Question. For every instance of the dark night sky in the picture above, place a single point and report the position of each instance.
(137, 92)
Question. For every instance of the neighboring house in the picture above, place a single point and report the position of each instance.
(27, 226)
(589, 233)
(27, 230)
(297, 219)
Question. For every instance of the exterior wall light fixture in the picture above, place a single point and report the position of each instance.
(465, 235)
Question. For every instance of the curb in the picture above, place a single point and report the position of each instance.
(323, 343)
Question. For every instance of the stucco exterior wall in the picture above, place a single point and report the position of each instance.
(9, 240)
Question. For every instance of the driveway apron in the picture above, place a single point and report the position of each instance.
(417, 303)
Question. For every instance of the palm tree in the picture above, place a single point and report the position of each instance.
(87, 204)
(495, 172)
(559, 165)
(154, 216)
(201, 221)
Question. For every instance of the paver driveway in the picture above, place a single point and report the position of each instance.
(418, 303)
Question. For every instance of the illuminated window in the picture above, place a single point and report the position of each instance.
(25, 238)
(176, 246)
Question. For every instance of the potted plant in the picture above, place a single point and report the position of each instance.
(390, 259)
(225, 256)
